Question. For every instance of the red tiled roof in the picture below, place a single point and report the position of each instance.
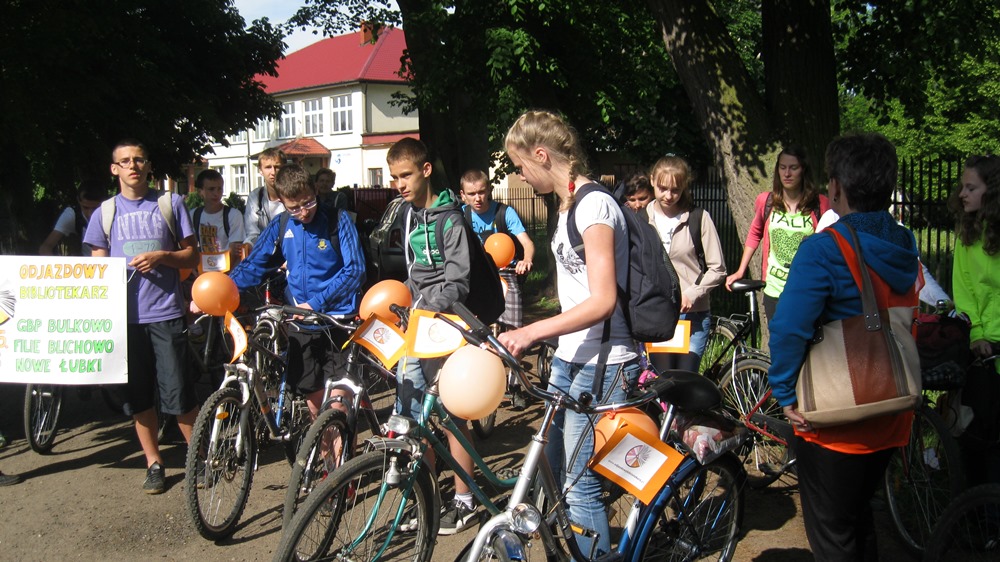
(337, 60)
(304, 147)
(389, 138)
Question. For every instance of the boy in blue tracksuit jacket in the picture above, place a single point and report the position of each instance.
(323, 274)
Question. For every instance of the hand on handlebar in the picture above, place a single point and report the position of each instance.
(516, 341)
(981, 348)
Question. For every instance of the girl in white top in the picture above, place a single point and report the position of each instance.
(547, 153)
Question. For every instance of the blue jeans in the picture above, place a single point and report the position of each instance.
(701, 324)
(571, 430)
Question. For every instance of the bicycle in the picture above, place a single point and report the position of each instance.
(339, 521)
(733, 337)
(969, 529)
(372, 387)
(253, 408)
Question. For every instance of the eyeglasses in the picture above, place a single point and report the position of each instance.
(296, 211)
(130, 162)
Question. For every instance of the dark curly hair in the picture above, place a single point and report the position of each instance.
(984, 223)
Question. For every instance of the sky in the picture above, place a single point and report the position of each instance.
(277, 11)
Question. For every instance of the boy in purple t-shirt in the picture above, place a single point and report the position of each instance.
(156, 339)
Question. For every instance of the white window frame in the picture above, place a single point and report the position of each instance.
(375, 177)
(264, 130)
(342, 114)
(312, 117)
(286, 129)
(240, 179)
(238, 138)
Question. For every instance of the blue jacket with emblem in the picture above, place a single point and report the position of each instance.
(327, 279)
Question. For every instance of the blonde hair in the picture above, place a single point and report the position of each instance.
(546, 129)
(677, 168)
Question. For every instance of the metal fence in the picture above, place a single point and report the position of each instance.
(920, 202)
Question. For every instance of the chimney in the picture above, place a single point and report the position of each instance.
(370, 32)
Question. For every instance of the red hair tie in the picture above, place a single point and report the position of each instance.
(572, 186)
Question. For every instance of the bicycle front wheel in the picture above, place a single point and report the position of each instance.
(969, 529)
(220, 464)
(42, 404)
(764, 457)
(357, 512)
(327, 445)
(922, 478)
(702, 518)
(484, 426)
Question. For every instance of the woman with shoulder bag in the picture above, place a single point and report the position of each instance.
(840, 467)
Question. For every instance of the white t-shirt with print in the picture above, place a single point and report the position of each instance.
(573, 286)
(665, 227)
(212, 233)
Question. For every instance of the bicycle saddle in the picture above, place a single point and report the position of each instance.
(747, 285)
(686, 390)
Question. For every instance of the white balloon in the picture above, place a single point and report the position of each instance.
(472, 383)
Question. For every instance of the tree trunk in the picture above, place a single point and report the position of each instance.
(800, 83)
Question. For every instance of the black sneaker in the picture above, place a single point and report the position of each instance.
(456, 517)
(9, 479)
(156, 479)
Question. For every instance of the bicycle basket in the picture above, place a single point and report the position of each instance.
(707, 435)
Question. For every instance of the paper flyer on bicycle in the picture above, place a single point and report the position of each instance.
(239, 335)
(679, 343)
(428, 336)
(637, 461)
(63, 320)
(382, 338)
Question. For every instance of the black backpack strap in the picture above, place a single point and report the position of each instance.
(79, 225)
(332, 222)
(575, 238)
(500, 219)
(225, 219)
(197, 223)
(282, 225)
(694, 227)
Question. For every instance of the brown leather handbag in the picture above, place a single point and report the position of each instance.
(861, 367)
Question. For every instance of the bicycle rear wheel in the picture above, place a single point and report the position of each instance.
(42, 404)
(484, 426)
(764, 458)
(317, 457)
(922, 478)
(355, 514)
(969, 529)
(220, 464)
(718, 351)
(702, 518)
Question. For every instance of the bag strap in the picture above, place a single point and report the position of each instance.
(225, 219)
(873, 321)
(197, 222)
(694, 227)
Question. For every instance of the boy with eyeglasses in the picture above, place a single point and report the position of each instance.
(156, 342)
(325, 272)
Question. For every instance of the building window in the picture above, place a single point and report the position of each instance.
(264, 130)
(238, 138)
(343, 119)
(375, 177)
(287, 129)
(240, 179)
(313, 116)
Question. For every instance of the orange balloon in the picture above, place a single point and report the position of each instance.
(501, 248)
(472, 383)
(611, 421)
(215, 293)
(381, 295)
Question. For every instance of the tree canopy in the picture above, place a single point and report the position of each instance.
(75, 77)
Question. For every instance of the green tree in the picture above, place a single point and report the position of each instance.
(75, 77)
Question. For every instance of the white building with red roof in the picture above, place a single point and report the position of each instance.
(338, 113)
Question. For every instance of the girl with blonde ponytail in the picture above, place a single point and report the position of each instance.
(547, 154)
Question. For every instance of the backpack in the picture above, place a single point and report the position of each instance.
(197, 220)
(500, 227)
(485, 298)
(163, 201)
(651, 299)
